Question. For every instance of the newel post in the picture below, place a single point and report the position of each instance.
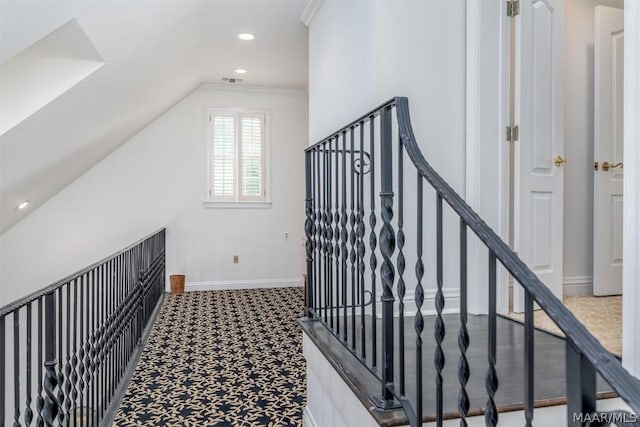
(387, 247)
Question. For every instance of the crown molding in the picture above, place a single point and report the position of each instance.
(226, 87)
(310, 11)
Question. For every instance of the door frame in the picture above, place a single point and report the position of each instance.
(487, 37)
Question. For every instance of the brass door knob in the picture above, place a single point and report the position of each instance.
(606, 166)
(559, 160)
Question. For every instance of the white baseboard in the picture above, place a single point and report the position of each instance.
(242, 284)
(577, 285)
(307, 418)
(451, 306)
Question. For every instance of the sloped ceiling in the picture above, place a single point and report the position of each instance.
(155, 52)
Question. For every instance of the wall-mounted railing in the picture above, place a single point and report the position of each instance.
(65, 349)
(365, 229)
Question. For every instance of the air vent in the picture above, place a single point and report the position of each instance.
(231, 80)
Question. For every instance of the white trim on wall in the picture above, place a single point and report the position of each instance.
(242, 284)
(577, 285)
(631, 215)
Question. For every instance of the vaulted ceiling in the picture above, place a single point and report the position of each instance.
(149, 55)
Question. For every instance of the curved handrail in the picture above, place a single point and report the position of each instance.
(12, 306)
(609, 367)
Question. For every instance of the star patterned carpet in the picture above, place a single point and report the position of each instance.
(221, 358)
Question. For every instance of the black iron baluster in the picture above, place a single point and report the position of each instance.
(67, 368)
(86, 352)
(528, 359)
(60, 359)
(352, 237)
(439, 330)
(2, 365)
(463, 334)
(317, 234)
(309, 232)
(94, 309)
(387, 247)
(40, 398)
(343, 236)
(329, 237)
(361, 246)
(400, 265)
(323, 234)
(51, 407)
(16, 368)
(28, 412)
(339, 284)
(373, 261)
(77, 305)
(491, 381)
(581, 385)
(419, 299)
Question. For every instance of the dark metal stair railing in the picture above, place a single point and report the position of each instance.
(333, 208)
(81, 333)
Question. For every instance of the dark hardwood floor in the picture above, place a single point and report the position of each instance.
(549, 365)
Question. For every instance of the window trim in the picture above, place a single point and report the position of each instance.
(237, 200)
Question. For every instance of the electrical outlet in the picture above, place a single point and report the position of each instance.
(286, 236)
(235, 259)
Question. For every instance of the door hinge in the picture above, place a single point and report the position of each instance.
(513, 8)
(513, 133)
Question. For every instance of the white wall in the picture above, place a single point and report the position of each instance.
(158, 179)
(342, 73)
(578, 201)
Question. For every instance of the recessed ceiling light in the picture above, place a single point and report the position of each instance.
(246, 36)
(23, 204)
(240, 71)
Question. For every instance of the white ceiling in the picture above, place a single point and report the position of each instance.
(155, 52)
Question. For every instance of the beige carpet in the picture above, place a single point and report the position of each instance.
(601, 315)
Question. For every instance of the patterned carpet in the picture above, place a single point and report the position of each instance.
(601, 315)
(221, 358)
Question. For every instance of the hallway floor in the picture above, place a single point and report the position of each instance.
(221, 358)
(601, 315)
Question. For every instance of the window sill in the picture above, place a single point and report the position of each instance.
(236, 205)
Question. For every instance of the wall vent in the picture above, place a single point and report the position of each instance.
(231, 80)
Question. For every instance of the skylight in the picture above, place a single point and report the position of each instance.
(44, 71)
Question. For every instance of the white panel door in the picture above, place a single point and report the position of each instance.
(608, 142)
(539, 179)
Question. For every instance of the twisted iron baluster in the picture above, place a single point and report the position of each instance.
(419, 299)
(491, 380)
(329, 238)
(439, 329)
(336, 215)
(28, 412)
(373, 261)
(400, 265)
(50, 411)
(309, 232)
(463, 334)
(387, 247)
(39, 398)
(16, 367)
(61, 378)
(360, 244)
(351, 235)
(67, 368)
(74, 358)
(325, 233)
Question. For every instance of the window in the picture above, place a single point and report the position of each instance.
(237, 157)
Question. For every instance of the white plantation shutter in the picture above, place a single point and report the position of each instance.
(251, 153)
(237, 153)
(223, 160)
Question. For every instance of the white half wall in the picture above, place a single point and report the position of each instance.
(579, 106)
(158, 179)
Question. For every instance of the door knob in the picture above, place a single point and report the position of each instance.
(559, 160)
(606, 166)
